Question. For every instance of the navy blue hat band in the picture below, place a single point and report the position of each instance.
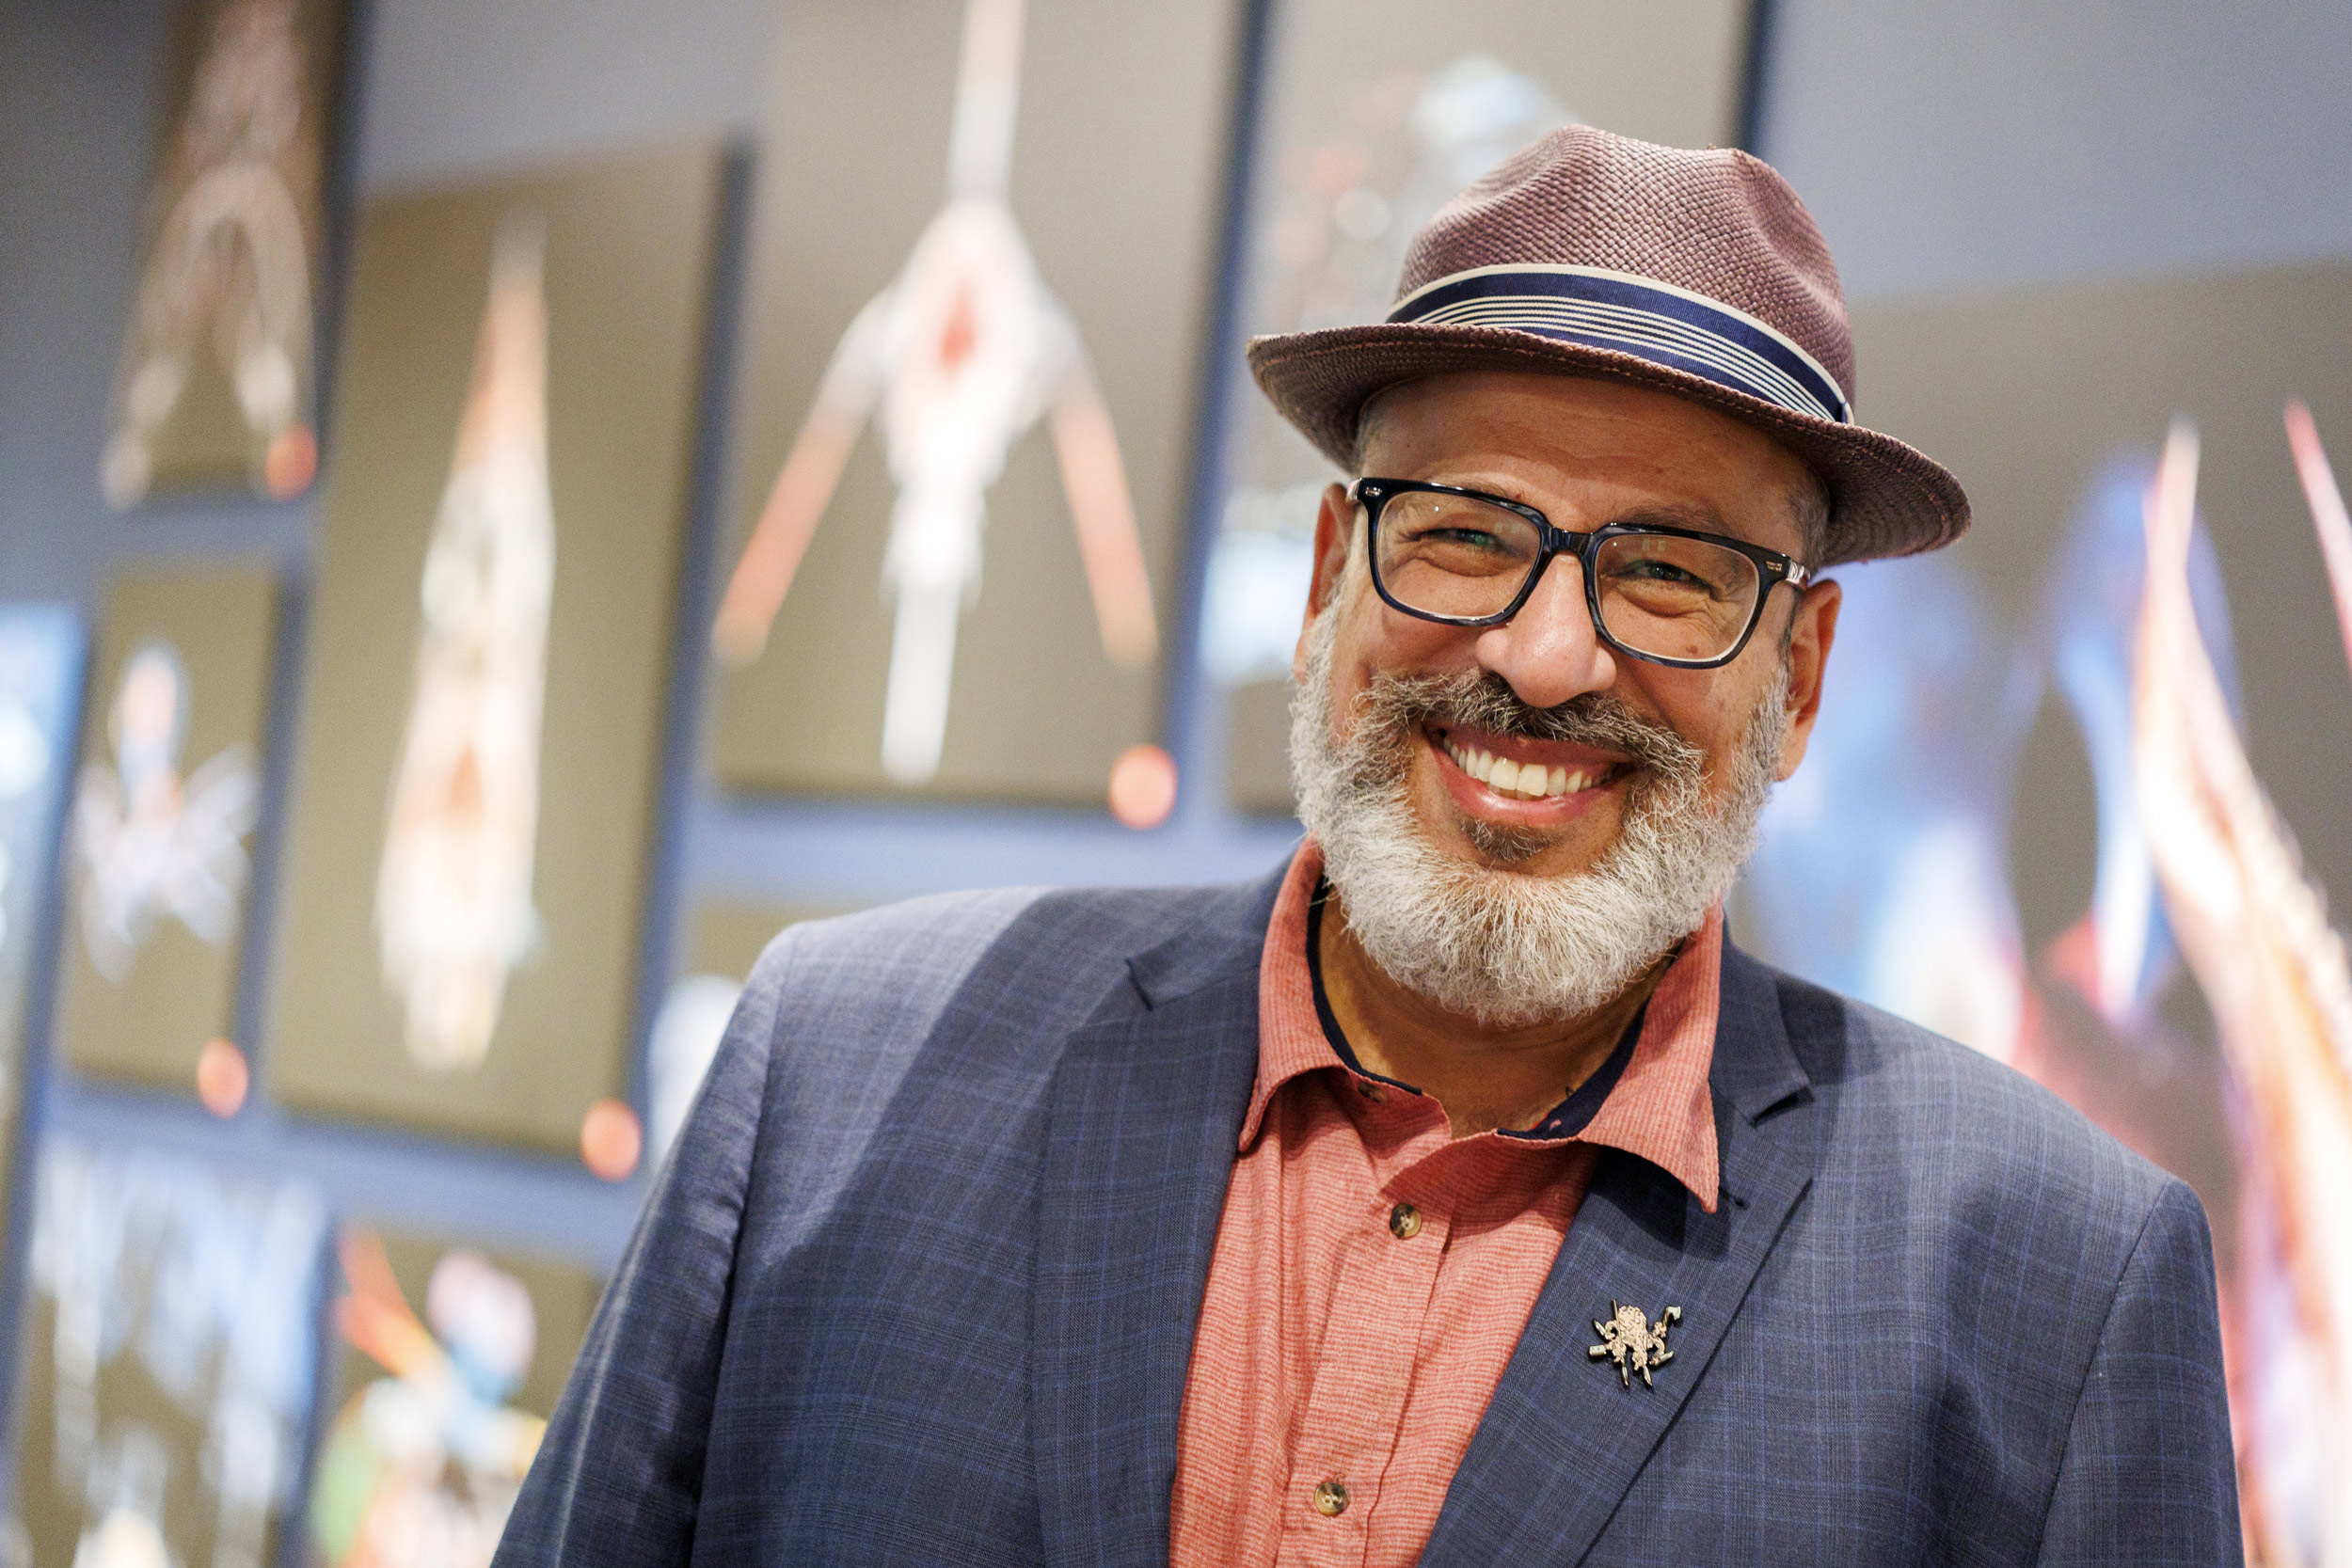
(1669, 327)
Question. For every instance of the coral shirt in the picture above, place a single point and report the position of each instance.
(1373, 1273)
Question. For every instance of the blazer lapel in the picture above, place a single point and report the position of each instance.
(1141, 1144)
(1564, 1438)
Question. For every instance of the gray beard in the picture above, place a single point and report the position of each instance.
(1497, 946)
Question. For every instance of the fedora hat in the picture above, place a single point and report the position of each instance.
(1699, 273)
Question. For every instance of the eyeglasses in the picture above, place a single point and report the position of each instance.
(1669, 595)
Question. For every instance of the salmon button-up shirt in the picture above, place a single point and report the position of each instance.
(1373, 1273)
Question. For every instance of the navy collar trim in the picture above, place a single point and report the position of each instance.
(1565, 1120)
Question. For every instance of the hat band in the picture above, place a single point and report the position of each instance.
(1620, 311)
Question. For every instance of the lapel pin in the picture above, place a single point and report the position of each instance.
(1633, 1342)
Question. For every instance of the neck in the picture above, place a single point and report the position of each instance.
(1486, 1077)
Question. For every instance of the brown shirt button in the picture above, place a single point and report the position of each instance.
(1330, 1498)
(1371, 1091)
(1405, 1221)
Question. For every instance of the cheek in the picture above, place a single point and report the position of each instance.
(1707, 707)
(1374, 640)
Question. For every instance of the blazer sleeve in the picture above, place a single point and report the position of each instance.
(2150, 1476)
(619, 1471)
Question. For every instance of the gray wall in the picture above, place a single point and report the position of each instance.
(1968, 144)
(456, 86)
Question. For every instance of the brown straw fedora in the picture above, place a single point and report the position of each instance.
(1700, 274)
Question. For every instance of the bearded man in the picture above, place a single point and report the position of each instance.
(1459, 1195)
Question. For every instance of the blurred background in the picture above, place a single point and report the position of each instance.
(505, 504)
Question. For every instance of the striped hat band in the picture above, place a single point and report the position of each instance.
(1641, 316)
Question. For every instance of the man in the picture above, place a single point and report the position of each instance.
(1460, 1195)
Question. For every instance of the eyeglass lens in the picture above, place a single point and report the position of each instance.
(1660, 594)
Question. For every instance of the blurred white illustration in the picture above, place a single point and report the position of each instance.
(150, 844)
(40, 665)
(963, 353)
(453, 910)
(229, 257)
(424, 1465)
(209, 1285)
(686, 1038)
(27, 757)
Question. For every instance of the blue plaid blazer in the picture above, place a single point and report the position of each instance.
(919, 1285)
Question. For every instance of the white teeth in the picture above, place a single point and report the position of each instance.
(1522, 781)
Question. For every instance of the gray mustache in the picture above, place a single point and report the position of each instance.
(1398, 705)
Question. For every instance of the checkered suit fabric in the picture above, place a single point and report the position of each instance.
(918, 1286)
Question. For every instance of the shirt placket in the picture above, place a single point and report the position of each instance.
(1363, 1368)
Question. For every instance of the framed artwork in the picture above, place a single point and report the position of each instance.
(723, 942)
(979, 283)
(1376, 116)
(451, 1361)
(219, 370)
(2087, 376)
(165, 799)
(40, 692)
(484, 697)
(169, 1362)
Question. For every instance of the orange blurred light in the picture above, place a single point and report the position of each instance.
(610, 1141)
(1143, 787)
(290, 463)
(222, 1078)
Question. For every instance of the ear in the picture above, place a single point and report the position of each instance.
(1815, 629)
(1335, 531)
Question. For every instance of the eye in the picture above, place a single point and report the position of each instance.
(1473, 538)
(1659, 571)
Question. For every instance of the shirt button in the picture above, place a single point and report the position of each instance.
(1405, 1221)
(1371, 1091)
(1330, 1498)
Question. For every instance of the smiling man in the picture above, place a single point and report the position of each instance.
(1459, 1193)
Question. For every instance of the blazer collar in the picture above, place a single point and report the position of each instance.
(1564, 1437)
(1144, 1118)
(1755, 1066)
(1222, 943)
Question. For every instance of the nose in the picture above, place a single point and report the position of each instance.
(1549, 650)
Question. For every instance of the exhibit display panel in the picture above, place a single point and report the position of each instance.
(2062, 803)
(478, 775)
(40, 687)
(167, 795)
(165, 1374)
(218, 378)
(1375, 117)
(983, 261)
(451, 1360)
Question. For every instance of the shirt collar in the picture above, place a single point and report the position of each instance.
(1659, 1108)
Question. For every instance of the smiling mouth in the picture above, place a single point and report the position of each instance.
(1526, 781)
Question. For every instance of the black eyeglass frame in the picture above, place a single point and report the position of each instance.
(1772, 567)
